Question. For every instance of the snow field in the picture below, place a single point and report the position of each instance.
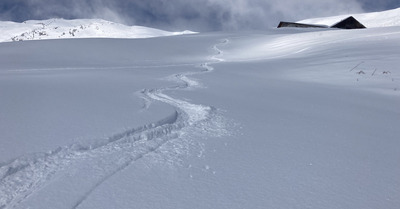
(369, 67)
(23, 176)
(315, 121)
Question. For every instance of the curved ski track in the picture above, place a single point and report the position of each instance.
(20, 178)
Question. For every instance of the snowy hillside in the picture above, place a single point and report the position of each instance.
(278, 119)
(79, 28)
(370, 20)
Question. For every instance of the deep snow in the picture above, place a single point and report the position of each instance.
(286, 118)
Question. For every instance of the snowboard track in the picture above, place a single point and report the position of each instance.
(20, 178)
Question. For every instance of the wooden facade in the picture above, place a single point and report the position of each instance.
(349, 23)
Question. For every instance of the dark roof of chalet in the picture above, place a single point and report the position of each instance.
(300, 25)
(348, 23)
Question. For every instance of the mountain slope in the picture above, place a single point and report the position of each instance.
(79, 28)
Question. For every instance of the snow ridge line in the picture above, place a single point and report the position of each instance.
(98, 68)
(20, 178)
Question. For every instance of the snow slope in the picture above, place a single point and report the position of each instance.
(370, 20)
(78, 28)
(292, 118)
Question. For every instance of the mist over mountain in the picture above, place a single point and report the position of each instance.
(203, 15)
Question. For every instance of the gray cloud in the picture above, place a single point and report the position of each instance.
(370, 5)
(199, 15)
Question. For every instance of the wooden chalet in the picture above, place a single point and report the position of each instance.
(348, 23)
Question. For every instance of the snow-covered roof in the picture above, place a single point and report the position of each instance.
(369, 20)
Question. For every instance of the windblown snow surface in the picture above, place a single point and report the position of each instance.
(284, 118)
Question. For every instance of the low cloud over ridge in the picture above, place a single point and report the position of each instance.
(198, 15)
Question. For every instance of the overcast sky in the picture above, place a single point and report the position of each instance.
(198, 15)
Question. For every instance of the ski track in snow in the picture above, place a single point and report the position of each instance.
(20, 178)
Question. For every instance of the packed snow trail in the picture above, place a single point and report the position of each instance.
(22, 177)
